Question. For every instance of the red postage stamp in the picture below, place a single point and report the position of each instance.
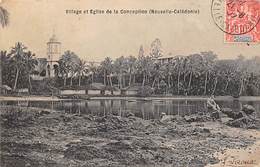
(242, 19)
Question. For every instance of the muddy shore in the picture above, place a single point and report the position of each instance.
(44, 138)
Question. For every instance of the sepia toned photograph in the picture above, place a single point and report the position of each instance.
(130, 83)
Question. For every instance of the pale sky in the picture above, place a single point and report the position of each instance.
(94, 37)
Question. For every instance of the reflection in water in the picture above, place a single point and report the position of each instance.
(143, 109)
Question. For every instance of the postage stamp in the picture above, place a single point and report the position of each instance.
(239, 19)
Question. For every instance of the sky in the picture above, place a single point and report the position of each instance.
(94, 37)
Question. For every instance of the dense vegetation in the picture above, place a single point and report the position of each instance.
(195, 74)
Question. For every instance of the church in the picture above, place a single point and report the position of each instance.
(48, 65)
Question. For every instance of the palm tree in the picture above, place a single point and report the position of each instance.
(131, 62)
(120, 67)
(2, 53)
(80, 70)
(92, 70)
(4, 17)
(106, 67)
(208, 65)
(7, 70)
(179, 67)
(145, 67)
(18, 60)
(30, 66)
(68, 64)
(242, 71)
(63, 70)
(194, 67)
(159, 72)
(4, 20)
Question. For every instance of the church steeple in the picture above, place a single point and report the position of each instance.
(53, 54)
(53, 49)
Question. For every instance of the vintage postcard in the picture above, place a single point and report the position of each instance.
(139, 83)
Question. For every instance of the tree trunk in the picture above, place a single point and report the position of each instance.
(79, 80)
(190, 81)
(226, 85)
(241, 87)
(92, 78)
(1, 66)
(178, 84)
(134, 79)
(65, 81)
(104, 78)
(111, 83)
(30, 84)
(205, 85)
(169, 80)
(123, 80)
(118, 81)
(215, 86)
(143, 79)
(184, 78)
(154, 82)
(130, 79)
(16, 78)
(71, 78)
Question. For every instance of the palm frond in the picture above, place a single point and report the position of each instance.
(4, 17)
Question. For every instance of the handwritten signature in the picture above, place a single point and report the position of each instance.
(238, 162)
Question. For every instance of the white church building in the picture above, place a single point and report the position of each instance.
(53, 55)
(46, 65)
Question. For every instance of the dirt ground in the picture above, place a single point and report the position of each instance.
(42, 138)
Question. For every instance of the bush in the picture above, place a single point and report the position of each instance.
(145, 91)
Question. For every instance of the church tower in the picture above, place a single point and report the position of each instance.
(53, 55)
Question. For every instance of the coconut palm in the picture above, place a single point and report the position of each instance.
(81, 69)
(131, 64)
(208, 65)
(194, 64)
(30, 66)
(63, 70)
(2, 53)
(4, 20)
(106, 67)
(120, 68)
(4, 17)
(159, 72)
(68, 65)
(18, 60)
(179, 67)
(145, 67)
(92, 68)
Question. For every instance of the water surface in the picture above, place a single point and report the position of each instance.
(151, 109)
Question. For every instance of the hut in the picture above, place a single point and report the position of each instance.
(110, 90)
(131, 90)
(4, 89)
(72, 92)
(137, 90)
(22, 91)
(95, 89)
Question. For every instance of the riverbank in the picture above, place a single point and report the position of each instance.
(45, 138)
(55, 98)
